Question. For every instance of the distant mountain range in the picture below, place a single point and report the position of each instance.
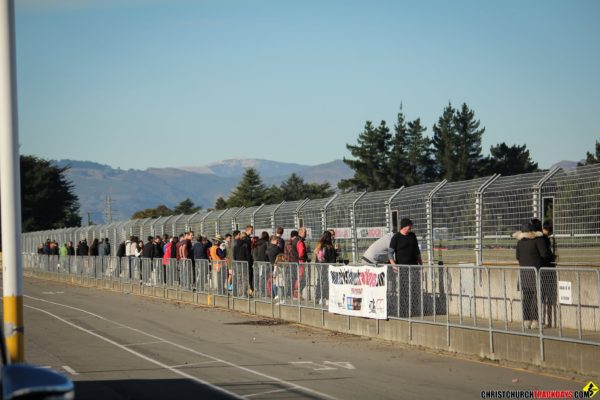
(133, 190)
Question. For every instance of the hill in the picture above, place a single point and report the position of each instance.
(132, 190)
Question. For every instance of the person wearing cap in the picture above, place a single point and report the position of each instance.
(404, 246)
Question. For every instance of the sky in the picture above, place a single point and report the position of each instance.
(170, 83)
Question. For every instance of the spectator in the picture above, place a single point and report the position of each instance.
(404, 250)
(273, 250)
(279, 279)
(531, 252)
(324, 254)
(242, 253)
(149, 250)
(259, 251)
(70, 248)
(279, 236)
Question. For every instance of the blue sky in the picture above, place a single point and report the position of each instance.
(150, 83)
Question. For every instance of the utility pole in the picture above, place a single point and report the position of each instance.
(108, 211)
(10, 179)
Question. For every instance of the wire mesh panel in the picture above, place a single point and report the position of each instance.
(209, 223)
(146, 228)
(226, 221)
(570, 302)
(370, 214)
(263, 281)
(179, 224)
(338, 218)
(244, 218)
(453, 217)
(507, 203)
(159, 225)
(264, 219)
(576, 211)
(285, 216)
(194, 222)
(310, 217)
(411, 203)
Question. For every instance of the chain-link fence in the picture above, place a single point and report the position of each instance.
(459, 222)
(552, 302)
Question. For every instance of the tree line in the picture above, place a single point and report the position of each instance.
(386, 158)
(383, 159)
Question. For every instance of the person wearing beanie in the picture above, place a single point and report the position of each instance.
(404, 250)
(404, 246)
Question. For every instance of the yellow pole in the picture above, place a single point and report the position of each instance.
(11, 187)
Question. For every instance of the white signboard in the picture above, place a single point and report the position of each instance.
(342, 233)
(358, 291)
(565, 293)
(372, 233)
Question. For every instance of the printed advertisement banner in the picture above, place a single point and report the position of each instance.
(358, 291)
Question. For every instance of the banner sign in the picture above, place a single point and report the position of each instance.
(358, 291)
(371, 233)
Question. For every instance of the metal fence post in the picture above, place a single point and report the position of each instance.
(273, 217)
(254, 214)
(429, 212)
(297, 213)
(202, 221)
(324, 212)
(388, 209)
(537, 193)
(479, 218)
(218, 220)
(234, 217)
(353, 227)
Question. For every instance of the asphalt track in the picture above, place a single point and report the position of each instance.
(122, 346)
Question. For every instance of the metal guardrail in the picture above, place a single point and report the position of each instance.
(565, 302)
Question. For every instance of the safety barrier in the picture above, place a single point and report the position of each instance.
(564, 302)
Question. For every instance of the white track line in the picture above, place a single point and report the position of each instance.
(160, 364)
(143, 344)
(70, 370)
(291, 385)
(193, 364)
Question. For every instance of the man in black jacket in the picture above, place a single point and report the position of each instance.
(404, 250)
(149, 250)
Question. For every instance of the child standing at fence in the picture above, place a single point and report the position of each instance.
(279, 279)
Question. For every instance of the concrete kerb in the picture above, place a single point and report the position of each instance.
(509, 347)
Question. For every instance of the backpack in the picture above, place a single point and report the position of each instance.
(287, 250)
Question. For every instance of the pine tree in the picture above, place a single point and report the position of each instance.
(371, 159)
(398, 164)
(508, 161)
(187, 207)
(420, 164)
(591, 158)
(318, 190)
(293, 188)
(249, 192)
(220, 204)
(273, 195)
(444, 144)
(47, 196)
(468, 144)
(159, 211)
